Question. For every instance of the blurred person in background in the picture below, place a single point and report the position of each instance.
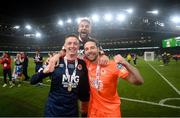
(18, 70)
(25, 59)
(38, 60)
(135, 59)
(6, 66)
(129, 57)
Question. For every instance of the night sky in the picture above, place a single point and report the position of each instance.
(44, 8)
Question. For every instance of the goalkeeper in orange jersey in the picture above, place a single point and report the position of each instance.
(103, 80)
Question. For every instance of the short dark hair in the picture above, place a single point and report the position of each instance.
(93, 40)
(72, 35)
(85, 20)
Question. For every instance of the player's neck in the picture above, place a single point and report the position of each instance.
(83, 39)
(96, 61)
(71, 56)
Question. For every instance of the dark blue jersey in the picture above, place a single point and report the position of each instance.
(61, 101)
(18, 67)
(38, 60)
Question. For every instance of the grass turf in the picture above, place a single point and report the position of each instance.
(29, 100)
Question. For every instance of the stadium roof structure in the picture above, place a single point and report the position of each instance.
(21, 19)
(37, 9)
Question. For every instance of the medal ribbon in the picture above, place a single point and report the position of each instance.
(98, 73)
(67, 72)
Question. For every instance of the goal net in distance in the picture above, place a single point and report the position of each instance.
(149, 56)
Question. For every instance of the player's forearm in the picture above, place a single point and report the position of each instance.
(134, 75)
(52, 62)
(38, 77)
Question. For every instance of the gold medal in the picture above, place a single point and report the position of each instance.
(69, 87)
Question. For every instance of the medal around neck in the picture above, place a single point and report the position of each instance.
(69, 87)
(70, 84)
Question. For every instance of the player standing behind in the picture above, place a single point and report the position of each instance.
(18, 70)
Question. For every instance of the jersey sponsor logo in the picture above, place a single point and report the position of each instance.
(96, 83)
(73, 80)
(79, 67)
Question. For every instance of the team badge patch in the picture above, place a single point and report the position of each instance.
(79, 67)
(119, 66)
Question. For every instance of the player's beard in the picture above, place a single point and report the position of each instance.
(92, 57)
(84, 35)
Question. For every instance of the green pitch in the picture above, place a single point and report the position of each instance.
(159, 96)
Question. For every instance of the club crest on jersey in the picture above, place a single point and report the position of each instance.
(79, 67)
(103, 72)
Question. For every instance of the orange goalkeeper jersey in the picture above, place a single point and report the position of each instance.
(104, 101)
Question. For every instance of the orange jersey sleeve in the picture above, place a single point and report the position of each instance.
(121, 71)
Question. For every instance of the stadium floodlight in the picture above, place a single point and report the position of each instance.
(69, 21)
(153, 12)
(108, 17)
(38, 35)
(78, 20)
(60, 22)
(121, 17)
(130, 11)
(28, 27)
(162, 24)
(95, 17)
(16, 27)
(175, 19)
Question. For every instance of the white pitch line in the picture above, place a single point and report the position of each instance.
(151, 103)
(168, 99)
(140, 101)
(177, 91)
(134, 100)
(42, 84)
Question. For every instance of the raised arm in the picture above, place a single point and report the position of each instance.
(53, 61)
(134, 76)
